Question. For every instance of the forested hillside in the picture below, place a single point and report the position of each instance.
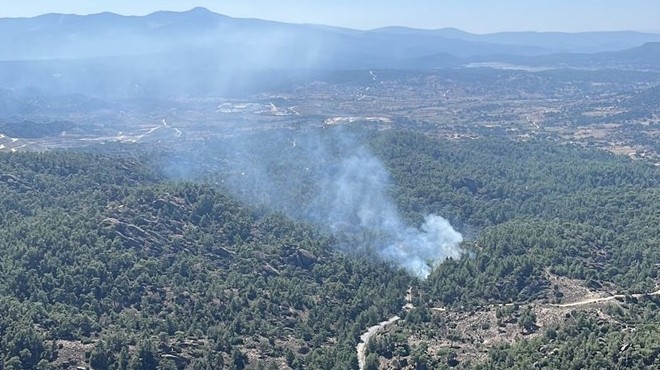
(102, 258)
(535, 211)
(581, 213)
(106, 263)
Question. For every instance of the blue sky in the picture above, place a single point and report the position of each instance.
(471, 15)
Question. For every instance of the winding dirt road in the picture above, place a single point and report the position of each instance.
(364, 339)
(366, 336)
(604, 299)
(361, 348)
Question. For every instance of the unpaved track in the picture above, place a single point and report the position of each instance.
(361, 348)
(364, 339)
(604, 299)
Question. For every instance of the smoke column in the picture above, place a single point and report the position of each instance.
(329, 178)
(360, 197)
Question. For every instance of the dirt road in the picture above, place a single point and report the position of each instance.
(366, 336)
(603, 299)
(361, 348)
(364, 339)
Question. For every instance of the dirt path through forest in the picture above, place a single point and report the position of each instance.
(366, 336)
(364, 339)
(361, 348)
(603, 299)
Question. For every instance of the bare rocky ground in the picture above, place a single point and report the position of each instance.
(467, 336)
(71, 354)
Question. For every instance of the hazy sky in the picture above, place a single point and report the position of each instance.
(470, 15)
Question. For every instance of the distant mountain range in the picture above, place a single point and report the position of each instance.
(645, 57)
(275, 44)
(114, 52)
(550, 42)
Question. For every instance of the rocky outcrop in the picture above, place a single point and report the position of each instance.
(299, 257)
(14, 182)
(132, 235)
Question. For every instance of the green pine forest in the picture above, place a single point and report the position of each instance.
(105, 262)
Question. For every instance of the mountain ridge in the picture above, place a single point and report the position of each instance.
(70, 36)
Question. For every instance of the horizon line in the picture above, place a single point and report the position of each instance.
(457, 28)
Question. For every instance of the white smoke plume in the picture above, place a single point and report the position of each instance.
(329, 178)
(360, 198)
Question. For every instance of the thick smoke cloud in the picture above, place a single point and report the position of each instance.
(329, 178)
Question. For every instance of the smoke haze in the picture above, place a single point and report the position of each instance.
(329, 178)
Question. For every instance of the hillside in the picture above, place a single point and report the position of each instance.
(193, 191)
(107, 262)
(101, 256)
